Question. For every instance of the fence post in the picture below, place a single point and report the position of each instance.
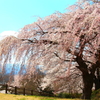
(24, 91)
(31, 92)
(15, 90)
(6, 88)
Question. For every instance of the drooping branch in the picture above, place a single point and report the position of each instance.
(62, 58)
(40, 41)
(74, 60)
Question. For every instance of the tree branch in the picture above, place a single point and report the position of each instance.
(70, 60)
(41, 29)
(63, 59)
(41, 41)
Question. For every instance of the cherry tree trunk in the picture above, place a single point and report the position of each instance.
(97, 84)
(97, 79)
(88, 84)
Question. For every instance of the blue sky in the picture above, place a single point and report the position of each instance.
(15, 14)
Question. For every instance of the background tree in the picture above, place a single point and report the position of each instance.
(29, 81)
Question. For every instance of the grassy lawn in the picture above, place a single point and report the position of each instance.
(21, 97)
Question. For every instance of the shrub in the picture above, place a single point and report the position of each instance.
(96, 95)
(47, 92)
(67, 95)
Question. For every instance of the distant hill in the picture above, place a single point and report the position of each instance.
(8, 33)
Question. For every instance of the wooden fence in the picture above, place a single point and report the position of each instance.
(15, 90)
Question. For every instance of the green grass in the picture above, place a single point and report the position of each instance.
(21, 97)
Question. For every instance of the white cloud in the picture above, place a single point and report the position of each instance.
(8, 33)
